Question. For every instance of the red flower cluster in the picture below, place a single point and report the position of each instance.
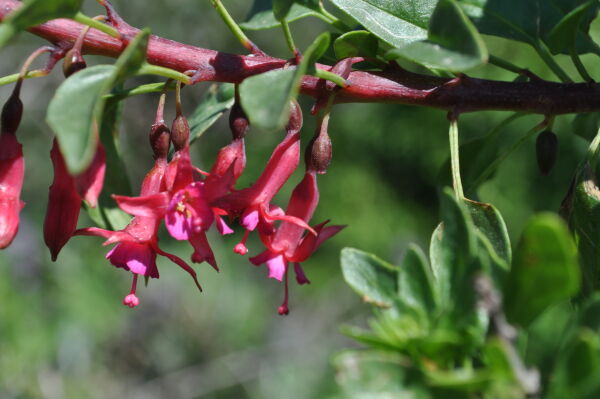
(188, 200)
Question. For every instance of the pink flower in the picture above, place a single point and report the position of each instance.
(12, 169)
(253, 204)
(289, 243)
(137, 244)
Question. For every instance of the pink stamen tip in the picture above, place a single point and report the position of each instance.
(241, 249)
(131, 300)
(283, 310)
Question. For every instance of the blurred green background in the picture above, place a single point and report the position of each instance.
(63, 330)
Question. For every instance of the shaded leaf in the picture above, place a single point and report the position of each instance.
(217, 100)
(544, 271)
(453, 43)
(563, 36)
(488, 220)
(35, 12)
(415, 281)
(356, 44)
(262, 16)
(266, 97)
(371, 277)
(586, 125)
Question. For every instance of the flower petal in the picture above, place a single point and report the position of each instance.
(154, 205)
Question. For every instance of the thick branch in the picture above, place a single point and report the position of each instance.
(393, 86)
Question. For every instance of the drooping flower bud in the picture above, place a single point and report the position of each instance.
(180, 132)
(73, 62)
(12, 112)
(546, 147)
(318, 152)
(12, 168)
(295, 123)
(238, 121)
(89, 183)
(64, 205)
(160, 140)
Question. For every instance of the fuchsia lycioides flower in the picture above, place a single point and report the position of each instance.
(12, 168)
(136, 246)
(253, 204)
(290, 243)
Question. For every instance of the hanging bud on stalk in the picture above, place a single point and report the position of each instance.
(12, 168)
(73, 62)
(546, 148)
(318, 152)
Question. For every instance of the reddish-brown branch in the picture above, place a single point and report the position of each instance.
(394, 86)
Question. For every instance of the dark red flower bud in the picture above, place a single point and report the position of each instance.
(11, 113)
(180, 132)
(546, 148)
(73, 62)
(318, 152)
(295, 123)
(160, 140)
(238, 121)
(63, 206)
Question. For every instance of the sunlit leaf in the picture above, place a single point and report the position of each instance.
(372, 278)
(395, 22)
(356, 44)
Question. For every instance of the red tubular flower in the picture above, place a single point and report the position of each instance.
(12, 169)
(66, 193)
(289, 243)
(253, 204)
(63, 205)
(137, 244)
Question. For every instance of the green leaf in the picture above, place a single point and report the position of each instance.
(217, 100)
(262, 16)
(371, 277)
(584, 220)
(577, 374)
(371, 374)
(115, 180)
(452, 247)
(563, 37)
(315, 51)
(586, 125)
(488, 220)
(415, 282)
(35, 12)
(528, 21)
(358, 43)
(281, 8)
(266, 97)
(395, 22)
(71, 113)
(79, 102)
(453, 43)
(544, 271)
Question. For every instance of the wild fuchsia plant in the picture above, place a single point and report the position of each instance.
(456, 324)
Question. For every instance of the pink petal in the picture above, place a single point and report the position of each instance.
(249, 219)
(222, 227)
(277, 266)
(93, 231)
(179, 226)
(154, 205)
(137, 258)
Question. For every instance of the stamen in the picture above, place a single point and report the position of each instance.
(132, 300)
(240, 247)
(283, 309)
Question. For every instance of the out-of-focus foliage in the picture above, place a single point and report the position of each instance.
(64, 332)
